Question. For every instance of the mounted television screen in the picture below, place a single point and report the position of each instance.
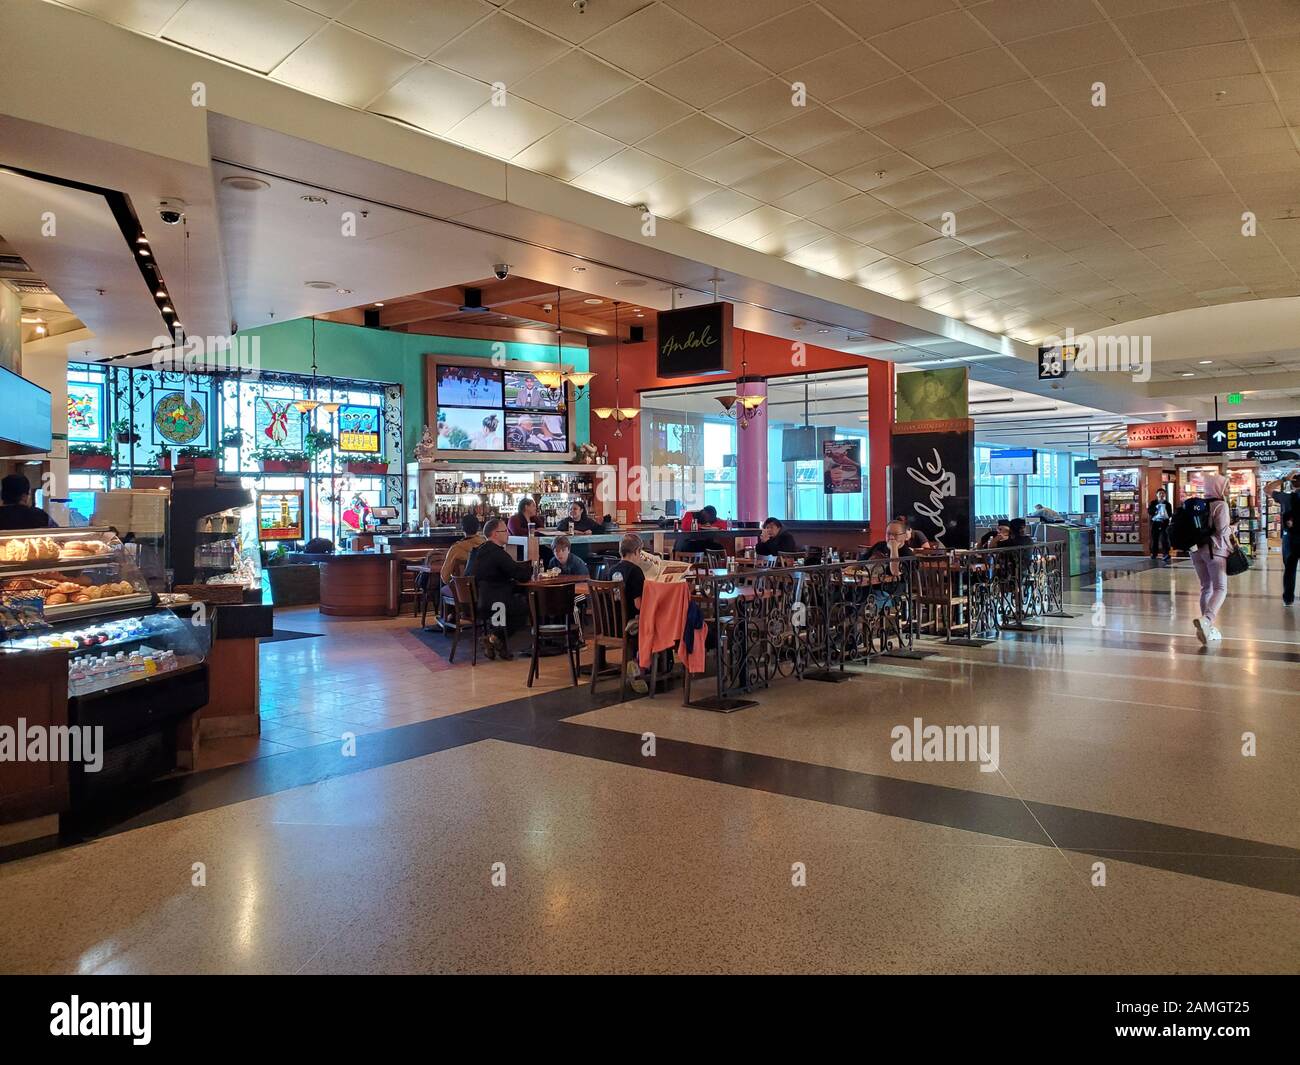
(465, 386)
(804, 443)
(1013, 463)
(470, 429)
(536, 432)
(24, 416)
(524, 392)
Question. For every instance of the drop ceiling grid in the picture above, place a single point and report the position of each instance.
(1029, 298)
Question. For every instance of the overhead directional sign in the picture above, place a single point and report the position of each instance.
(1257, 434)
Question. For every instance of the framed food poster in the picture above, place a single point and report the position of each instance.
(277, 423)
(279, 515)
(841, 467)
(358, 430)
(86, 412)
(180, 420)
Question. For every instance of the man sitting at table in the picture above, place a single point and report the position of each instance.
(1018, 537)
(774, 539)
(578, 520)
(894, 546)
(501, 603)
(996, 536)
(458, 554)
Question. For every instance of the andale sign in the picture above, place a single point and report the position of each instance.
(694, 341)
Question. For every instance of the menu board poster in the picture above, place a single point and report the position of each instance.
(358, 429)
(277, 423)
(86, 412)
(841, 467)
(279, 515)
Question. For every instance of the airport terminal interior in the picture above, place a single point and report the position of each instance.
(649, 487)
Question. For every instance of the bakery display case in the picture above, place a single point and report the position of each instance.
(69, 573)
(133, 668)
(226, 549)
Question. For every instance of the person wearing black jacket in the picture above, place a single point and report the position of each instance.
(1289, 511)
(578, 520)
(1161, 514)
(501, 604)
(1018, 537)
(774, 539)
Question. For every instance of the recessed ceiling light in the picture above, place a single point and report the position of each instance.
(245, 183)
(314, 200)
(592, 300)
(160, 294)
(579, 269)
(144, 252)
(1206, 362)
(141, 239)
(319, 284)
(167, 309)
(344, 291)
(1188, 373)
(823, 330)
(378, 304)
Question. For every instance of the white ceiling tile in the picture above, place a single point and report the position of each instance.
(143, 16)
(564, 20)
(771, 184)
(635, 114)
(624, 175)
(685, 141)
(717, 210)
(736, 162)
(747, 228)
(500, 49)
(757, 107)
(573, 84)
(646, 42)
(709, 76)
(432, 98)
(791, 39)
(414, 25)
(804, 130)
(345, 66)
(670, 196)
(257, 34)
(920, 44)
(725, 17)
(816, 197)
(504, 132)
(838, 73)
(568, 152)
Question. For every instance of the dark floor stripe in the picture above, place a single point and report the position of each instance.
(1208, 855)
(1183, 645)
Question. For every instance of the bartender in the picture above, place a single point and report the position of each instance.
(578, 521)
(16, 511)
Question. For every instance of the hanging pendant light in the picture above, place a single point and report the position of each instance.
(306, 406)
(619, 414)
(743, 409)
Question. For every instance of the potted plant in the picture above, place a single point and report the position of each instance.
(316, 441)
(370, 465)
(277, 460)
(123, 432)
(232, 438)
(90, 457)
(196, 458)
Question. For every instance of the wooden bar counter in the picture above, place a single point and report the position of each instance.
(357, 583)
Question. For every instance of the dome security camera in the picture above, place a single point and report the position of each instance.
(171, 211)
(501, 270)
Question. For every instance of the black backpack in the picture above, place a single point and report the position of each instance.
(1191, 525)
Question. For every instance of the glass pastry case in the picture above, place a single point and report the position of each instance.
(226, 549)
(134, 668)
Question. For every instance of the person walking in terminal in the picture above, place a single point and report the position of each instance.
(1160, 513)
(500, 602)
(1210, 557)
(1287, 502)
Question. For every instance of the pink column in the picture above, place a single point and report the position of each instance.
(751, 456)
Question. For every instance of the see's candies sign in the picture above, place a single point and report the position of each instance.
(1161, 434)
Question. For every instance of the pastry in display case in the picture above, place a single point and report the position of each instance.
(70, 573)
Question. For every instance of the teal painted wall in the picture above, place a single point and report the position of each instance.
(399, 358)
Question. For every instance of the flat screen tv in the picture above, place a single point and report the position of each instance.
(524, 392)
(1013, 463)
(469, 386)
(24, 416)
(482, 412)
(804, 443)
(470, 429)
(527, 432)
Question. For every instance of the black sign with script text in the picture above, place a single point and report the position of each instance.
(932, 477)
(695, 340)
(1253, 434)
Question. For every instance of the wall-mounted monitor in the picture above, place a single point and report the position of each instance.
(804, 443)
(478, 411)
(1017, 462)
(469, 386)
(279, 515)
(24, 416)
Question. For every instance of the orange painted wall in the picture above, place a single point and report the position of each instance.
(764, 356)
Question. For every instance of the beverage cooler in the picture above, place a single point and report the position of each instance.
(133, 668)
(1128, 486)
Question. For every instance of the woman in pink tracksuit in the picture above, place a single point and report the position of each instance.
(1211, 560)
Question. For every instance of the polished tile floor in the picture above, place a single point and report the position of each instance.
(1120, 753)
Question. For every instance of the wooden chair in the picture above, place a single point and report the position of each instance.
(464, 596)
(715, 559)
(430, 587)
(551, 612)
(936, 597)
(610, 628)
(791, 558)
